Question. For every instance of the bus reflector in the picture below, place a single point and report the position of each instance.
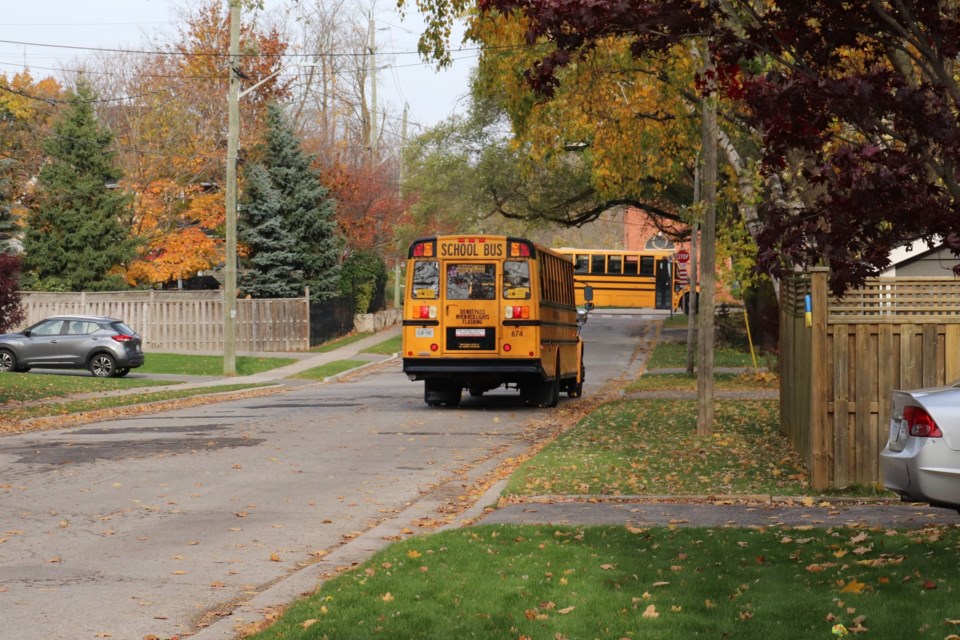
(434, 347)
(507, 347)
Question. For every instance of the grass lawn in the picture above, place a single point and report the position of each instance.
(31, 387)
(12, 415)
(669, 355)
(664, 583)
(339, 342)
(387, 347)
(721, 382)
(330, 369)
(650, 447)
(196, 365)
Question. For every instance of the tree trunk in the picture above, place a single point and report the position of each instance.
(708, 255)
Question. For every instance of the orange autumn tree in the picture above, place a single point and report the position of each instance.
(174, 140)
(27, 107)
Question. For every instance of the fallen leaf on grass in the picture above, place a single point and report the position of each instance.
(854, 586)
(651, 612)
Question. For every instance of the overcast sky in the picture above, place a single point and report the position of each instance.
(432, 95)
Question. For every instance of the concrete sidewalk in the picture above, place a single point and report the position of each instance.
(280, 375)
(305, 362)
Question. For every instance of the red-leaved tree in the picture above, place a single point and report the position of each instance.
(11, 313)
(855, 105)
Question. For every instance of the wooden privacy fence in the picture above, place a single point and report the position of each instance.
(838, 368)
(186, 320)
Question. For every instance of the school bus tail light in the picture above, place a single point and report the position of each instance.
(428, 311)
(423, 249)
(517, 312)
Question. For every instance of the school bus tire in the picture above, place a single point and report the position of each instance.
(436, 394)
(575, 386)
(553, 398)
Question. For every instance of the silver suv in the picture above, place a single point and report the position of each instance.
(105, 346)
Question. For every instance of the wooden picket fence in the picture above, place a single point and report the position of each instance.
(186, 321)
(838, 367)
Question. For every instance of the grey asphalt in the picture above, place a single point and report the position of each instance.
(632, 511)
(639, 511)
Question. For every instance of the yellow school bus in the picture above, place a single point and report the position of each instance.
(644, 279)
(484, 311)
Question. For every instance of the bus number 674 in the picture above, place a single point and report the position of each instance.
(516, 333)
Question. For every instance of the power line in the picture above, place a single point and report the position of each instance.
(216, 54)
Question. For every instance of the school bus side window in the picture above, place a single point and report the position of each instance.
(516, 280)
(426, 280)
(582, 264)
(646, 265)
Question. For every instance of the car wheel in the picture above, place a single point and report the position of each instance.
(8, 361)
(103, 365)
(122, 372)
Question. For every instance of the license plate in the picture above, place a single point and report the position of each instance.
(424, 332)
(897, 428)
(471, 333)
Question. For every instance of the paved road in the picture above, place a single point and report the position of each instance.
(161, 524)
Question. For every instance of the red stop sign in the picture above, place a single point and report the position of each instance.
(683, 256)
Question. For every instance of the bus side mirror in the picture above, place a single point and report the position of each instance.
(588, 296)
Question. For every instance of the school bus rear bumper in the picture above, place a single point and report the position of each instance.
(472, 369)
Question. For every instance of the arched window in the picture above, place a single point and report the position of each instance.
(659, 242)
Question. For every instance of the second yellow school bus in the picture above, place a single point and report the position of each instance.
(619, 278)
(484, 311)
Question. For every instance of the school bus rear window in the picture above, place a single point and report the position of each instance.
(471, 281)
(516, 280)
(426, 280)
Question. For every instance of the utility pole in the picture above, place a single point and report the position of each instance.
(694, 278)
(400, 176)
(374, 143)
(233, 145)
(708, 257)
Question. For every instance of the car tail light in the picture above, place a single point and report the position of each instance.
(122, 337)
(920, 424)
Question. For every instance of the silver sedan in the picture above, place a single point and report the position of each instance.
(921, 460)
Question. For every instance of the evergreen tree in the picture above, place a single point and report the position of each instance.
(308, 211)
(75, 238)
(272, 247)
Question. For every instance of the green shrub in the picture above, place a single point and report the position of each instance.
(364, 276)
